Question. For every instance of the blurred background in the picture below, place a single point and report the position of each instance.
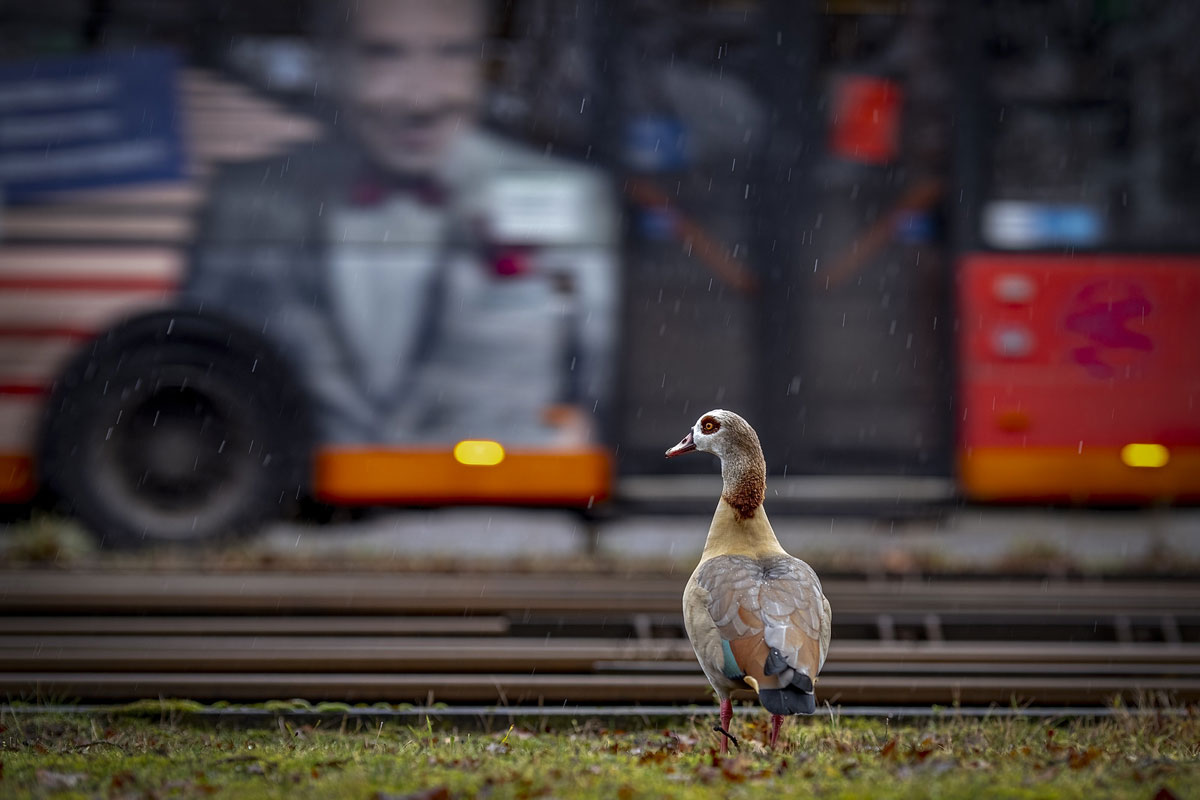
(341, 342)
(299, 262)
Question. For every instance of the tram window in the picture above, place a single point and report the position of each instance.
(1096, 143)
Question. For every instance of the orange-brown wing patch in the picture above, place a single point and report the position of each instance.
(749, 617)
(751, 654)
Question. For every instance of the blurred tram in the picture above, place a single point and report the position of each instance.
(933, 249)
(1077, 261)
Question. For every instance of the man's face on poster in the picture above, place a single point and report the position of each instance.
(412, 78)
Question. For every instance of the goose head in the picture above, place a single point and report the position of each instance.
(722, 433)
(743, 469)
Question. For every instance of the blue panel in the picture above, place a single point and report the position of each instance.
(87, 121)
(655, 143)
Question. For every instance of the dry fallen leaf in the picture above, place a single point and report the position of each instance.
(653, 757)
(1078, 759)
(122, 779)
(732, 775)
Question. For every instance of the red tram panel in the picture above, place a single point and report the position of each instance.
(1079, 378)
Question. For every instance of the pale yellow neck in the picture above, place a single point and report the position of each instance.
(730, 534)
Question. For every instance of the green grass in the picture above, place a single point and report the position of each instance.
(121, 756)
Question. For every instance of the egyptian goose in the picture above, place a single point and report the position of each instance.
(756, 616)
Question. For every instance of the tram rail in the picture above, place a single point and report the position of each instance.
(540, 640)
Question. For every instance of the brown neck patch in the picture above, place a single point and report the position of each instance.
(743, 469)
(747, 492)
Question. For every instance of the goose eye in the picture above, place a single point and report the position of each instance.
(708, 426)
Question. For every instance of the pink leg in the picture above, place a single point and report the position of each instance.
(726, 718)
(776, 724)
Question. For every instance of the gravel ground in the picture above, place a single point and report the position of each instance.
(965, 538)
(957, 538)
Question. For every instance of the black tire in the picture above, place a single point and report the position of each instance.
(176, 427)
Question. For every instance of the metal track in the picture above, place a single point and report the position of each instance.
(573, 639)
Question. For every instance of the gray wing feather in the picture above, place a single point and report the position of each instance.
(779, 596)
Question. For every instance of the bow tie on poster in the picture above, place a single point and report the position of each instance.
(369, 190)
(503, 261)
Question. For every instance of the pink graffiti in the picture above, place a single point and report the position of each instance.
(1102, 321)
